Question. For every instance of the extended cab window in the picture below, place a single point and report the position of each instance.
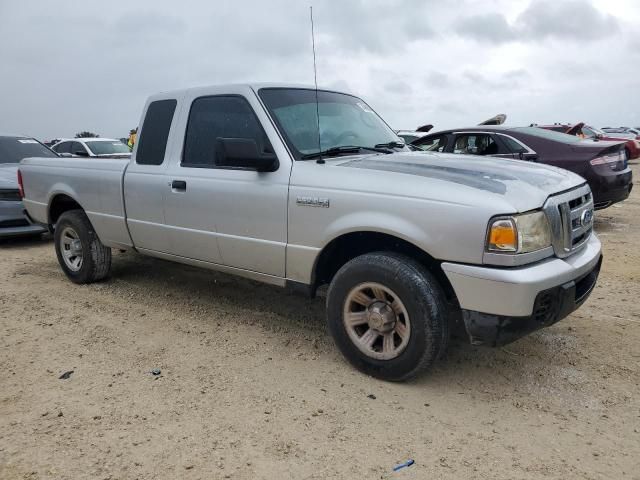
(152, 141)
(212, 118)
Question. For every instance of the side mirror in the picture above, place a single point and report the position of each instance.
(65, 155)
(81, 153)
(530, 157)
(243, 153)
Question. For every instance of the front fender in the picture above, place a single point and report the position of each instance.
(301, 259)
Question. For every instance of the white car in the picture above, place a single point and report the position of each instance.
(92, 147)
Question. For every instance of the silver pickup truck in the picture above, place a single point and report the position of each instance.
(303, 188)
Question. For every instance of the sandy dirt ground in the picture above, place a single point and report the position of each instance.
(253, 388)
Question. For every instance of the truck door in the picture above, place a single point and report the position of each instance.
(245, 210)
(144, 179)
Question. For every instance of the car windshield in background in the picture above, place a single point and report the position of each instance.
(108, 148)
(344, 120)
(548, 134)
(14, 149)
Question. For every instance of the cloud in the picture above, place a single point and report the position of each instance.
(496, 81)
(634, 46)
(489, 27)
(542, 19)
(398, 87)
(437, 80)
(373, 26)
(415, 62)
(566, 19)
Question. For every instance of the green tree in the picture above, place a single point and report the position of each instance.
(86, 134)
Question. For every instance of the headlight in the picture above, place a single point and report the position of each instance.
(519, 233)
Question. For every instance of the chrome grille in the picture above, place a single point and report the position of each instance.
(570, 215)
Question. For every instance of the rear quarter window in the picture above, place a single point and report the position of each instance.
(152, 142)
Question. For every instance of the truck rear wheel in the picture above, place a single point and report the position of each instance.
(387, 315)
(81, 254)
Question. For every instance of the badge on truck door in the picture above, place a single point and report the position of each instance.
(313, 202)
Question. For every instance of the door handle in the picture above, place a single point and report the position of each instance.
(179, 185)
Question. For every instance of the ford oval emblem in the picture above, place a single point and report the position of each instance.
(586, 218)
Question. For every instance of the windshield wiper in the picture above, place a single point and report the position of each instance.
(393, 144)
(333, 151)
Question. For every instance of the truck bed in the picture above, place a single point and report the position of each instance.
(96, 184)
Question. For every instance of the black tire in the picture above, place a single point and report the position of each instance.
(96, 258)
(422, 297)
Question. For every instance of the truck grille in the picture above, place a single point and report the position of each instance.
(9, 195)
(570, 215)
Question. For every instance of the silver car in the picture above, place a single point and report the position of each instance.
(302, 188)
(92, 147)
(13, 220)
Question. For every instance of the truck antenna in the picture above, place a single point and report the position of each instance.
(315, 80)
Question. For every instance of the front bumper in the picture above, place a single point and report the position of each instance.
(14, 222)
(551, 306)
(512, 291)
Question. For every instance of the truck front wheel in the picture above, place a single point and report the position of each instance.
(387, 315)
(81, 254)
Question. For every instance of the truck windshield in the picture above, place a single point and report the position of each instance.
(103, 147)
(14, 149)
(343, 120)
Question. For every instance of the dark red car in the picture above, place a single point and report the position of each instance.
(602, 164)
(586, 131)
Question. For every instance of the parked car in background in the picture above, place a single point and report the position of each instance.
(51, 143)
(92, 147)
(602, 164)
(627, 131)
(632, 146)
(410, 135)
(13, 148)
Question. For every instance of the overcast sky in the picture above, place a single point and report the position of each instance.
(80, 65)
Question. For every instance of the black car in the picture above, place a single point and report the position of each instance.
(13, 220)
(603, 164)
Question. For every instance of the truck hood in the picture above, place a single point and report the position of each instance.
(9, 175)
(524, 185)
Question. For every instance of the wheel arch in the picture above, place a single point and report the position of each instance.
(58, 204)
(349, 245)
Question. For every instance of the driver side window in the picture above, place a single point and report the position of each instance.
(215, 117)
(62, 147)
